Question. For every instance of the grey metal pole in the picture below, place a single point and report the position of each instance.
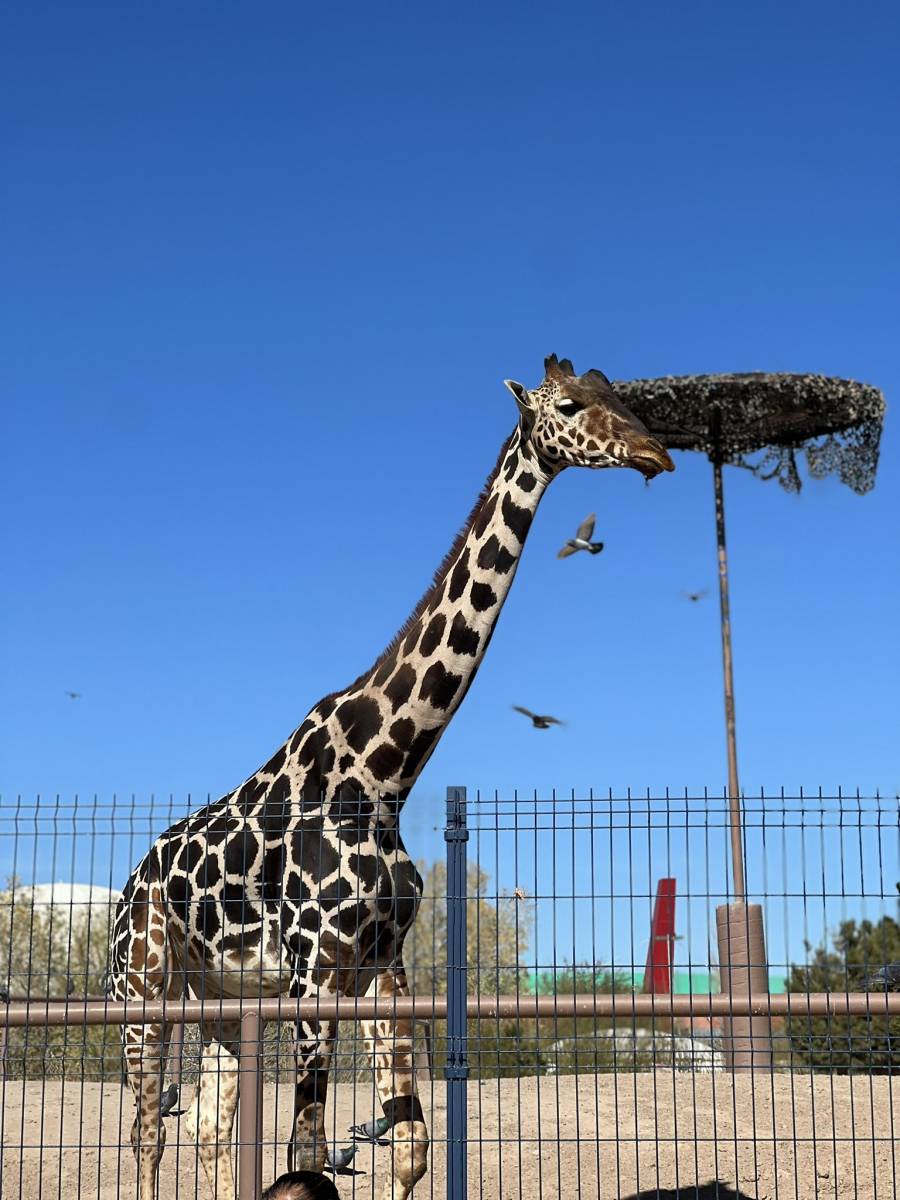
(457, 1072)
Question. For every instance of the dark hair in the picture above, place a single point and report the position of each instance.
(301, 1185)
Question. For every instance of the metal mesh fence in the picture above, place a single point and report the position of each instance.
(586, 1022)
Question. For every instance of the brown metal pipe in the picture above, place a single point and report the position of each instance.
(421, 1008)
(734, 792)
(250, 1107)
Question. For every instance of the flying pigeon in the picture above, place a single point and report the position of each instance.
(695, 596)
(373, 1131)
(339, 1158)
(537, 721)
(74, 695)
(886, 979)
(582, 539)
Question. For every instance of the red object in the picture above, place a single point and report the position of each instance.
(658, 975)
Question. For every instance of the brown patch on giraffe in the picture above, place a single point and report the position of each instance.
(399, 690)
(431, 639)
(439, 686)
(384, 761)
(360, 719)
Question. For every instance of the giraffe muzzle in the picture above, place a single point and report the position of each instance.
(649, 457)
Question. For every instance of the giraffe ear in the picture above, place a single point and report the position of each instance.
(527, 406)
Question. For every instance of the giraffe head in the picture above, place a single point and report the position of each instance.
(578, 421)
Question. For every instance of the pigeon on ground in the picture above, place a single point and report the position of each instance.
(4, 994)
(695, 596)
(169, 1100)
(537, 721)
(373, 1131)
(339, 1159)
(886, 979)
(582, 539)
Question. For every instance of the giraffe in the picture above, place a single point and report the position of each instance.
(297, 883)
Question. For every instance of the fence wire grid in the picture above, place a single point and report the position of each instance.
(583, 1022)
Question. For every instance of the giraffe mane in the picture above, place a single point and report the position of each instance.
(446, 563)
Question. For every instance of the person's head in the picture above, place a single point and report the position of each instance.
(301, 1185)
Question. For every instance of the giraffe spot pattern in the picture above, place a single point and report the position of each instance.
(400, 688)
(483, 596)
(494, 557)
(439, 686)
(360, 719)
(517, 519)
(431, 638)
(384, 761)
(459, 578)
(462, 639)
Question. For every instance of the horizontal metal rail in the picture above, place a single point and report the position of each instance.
(349, 1008)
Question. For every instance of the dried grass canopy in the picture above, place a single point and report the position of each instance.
(761, 421)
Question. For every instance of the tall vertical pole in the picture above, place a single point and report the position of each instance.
(457, 1072)
(739, 925)
(250, 1106)
(734, 793)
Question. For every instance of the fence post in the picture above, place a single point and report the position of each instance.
(250, 1107)
(743, 970)
(457, 1073)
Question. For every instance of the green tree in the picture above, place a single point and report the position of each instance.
(841, 1043)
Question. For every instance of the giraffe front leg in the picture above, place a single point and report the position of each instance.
(210, 1117)
(391, 1044)
(312, 1051)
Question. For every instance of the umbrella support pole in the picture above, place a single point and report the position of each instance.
(734, 793)
(739, 926)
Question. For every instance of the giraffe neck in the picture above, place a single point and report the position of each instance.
(385, 726)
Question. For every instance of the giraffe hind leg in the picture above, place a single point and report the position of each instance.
(210, 1118)
(391, 1044)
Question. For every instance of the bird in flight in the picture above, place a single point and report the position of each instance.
(582, 539)
(74, 695)
(695, 596)
(539, 722)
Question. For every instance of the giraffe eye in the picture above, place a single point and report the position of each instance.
(568, 408)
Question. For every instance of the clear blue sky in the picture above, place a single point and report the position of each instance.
(264, 271)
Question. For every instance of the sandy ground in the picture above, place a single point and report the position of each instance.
(606, 1136)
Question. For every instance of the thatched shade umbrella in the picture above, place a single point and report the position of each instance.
(761, 422)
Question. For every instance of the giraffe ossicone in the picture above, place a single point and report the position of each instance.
(297, 883)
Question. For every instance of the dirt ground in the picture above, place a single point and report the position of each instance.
(604, 1136)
